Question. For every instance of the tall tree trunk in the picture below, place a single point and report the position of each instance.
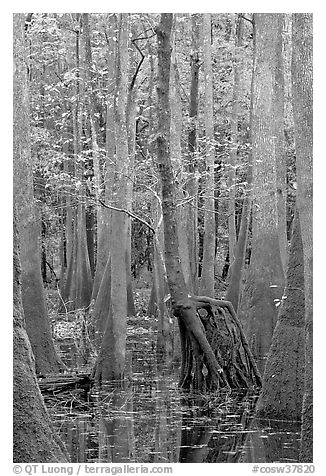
(104, 218)
(182, 306)
(110, 364)
(79, 283)
(164, 327)
(90, 237)
(281, 168)
(192, 184)
(131, 114)
(131, 310)
(33, 298)
(91, 97)
(233, 293)
(159, 284)
(265, 279)
(234, 141)
(283, 385)
(102, 306)
(158, 304)
(207, 276)
(176, 153)
(302, 70)
(34, 439)
(68, 168)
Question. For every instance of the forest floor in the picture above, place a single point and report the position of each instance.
(73, 343)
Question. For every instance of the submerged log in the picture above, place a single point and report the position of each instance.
(60, 383)
(224, 332)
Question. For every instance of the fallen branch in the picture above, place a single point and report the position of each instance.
(61, 383)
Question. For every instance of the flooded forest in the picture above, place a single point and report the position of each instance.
(162, 238)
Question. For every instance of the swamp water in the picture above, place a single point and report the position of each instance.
(149, 420)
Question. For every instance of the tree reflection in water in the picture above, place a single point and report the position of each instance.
(149, 420)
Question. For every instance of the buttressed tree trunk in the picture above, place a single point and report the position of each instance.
(34, 438)
(34, 304)
(104, 231)
(302, 71)
(79, 283)
(265, 279)
(33, 435)
(110, 364)
(282, 392)
(182, 306)
(207, 275)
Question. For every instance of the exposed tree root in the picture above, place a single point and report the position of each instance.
(223, 331)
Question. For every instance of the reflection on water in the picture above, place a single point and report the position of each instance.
(149, 420)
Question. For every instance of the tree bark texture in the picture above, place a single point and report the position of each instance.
(233, 292)
(283, 386)
(78, 286)
(281, 166)
(265, 279)
(33, 298)
(68, 167)
(302, 72)
(237, 264)
(34, 438)
(131, 114)
(90, 94)
(181, 304)
(234, 140)
(160, 290)
(164, 328)
(102, 305)
(90, 221)
(176, 158)
(105, 218)
(192, 183)
(79, 283)
(207, 275)
(110, 364)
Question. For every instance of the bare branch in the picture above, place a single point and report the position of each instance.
(132, 84)
(241, 15)
(145, 37)
(127, 212)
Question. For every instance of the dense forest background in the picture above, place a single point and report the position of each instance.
(163, 167)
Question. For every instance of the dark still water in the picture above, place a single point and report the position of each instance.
(149, 420)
